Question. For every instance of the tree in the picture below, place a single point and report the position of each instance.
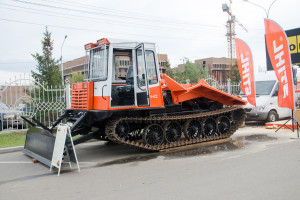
(192, 73)
(77, 77)
(47, 66)
(234, 74)
(168, 64)
(169, 70)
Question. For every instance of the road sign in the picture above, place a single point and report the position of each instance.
(214, 84)
(63, 141)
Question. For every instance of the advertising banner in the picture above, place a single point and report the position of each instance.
(245, 65)
(294, 42)
(278, 50)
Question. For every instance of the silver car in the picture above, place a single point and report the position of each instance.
(9, 118)
(267, 108)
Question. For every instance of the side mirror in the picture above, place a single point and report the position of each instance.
(275, 94)
(143, 76)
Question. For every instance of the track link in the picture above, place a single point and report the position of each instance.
(237, 117)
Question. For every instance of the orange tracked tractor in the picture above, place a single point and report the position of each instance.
(126, 100)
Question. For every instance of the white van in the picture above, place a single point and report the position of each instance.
(267, 109)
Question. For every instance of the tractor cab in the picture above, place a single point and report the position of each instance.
(123, 75)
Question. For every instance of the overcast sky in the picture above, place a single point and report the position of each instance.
(191, 28)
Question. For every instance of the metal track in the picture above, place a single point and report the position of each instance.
(236, 122)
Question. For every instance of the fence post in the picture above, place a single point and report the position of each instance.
(68, 95)
(1, 95)
(228, 86)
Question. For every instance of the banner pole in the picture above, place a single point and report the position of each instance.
(293, 121)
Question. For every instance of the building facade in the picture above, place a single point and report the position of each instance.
(76, 65)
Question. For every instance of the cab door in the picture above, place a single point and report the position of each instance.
(142, 87)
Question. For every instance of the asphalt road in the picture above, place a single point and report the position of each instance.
(257, 164)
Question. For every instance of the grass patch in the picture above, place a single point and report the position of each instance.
(12, 139)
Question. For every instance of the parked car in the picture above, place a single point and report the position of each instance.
(267, 109)
(9, 118)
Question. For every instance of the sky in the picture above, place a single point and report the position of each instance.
(192, 29)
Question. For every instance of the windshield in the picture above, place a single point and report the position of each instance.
(262, 87)
(98, 63)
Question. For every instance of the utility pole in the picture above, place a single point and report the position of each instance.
(266, 11)
(61, 63)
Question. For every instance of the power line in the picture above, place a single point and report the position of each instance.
(111, 15)
(85, 18)
(91, 30)
(72, 3)
(8, 63)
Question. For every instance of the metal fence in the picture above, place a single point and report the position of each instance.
(26, 97)
(228, 87)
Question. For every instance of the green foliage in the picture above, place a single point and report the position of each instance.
(234, 74)
(12, 139)
(77, 77)
(16, 138)
(169, 70)
(47, 66)
(192, 73)
(168, 64)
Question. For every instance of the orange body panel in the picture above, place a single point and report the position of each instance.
(181, 93)
(82, 96)
(101, 103)
(156, 97)
(156, 100)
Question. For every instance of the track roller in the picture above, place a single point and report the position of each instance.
(223, 125)
(209, 127)
(172, 132)
(192, 129)
(122, 130)
(153, 135)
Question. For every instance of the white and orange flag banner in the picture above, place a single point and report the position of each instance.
(245, 65)
(279, 52)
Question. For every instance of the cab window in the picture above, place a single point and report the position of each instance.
(151, 67)
(122, 62)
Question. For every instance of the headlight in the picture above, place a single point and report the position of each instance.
(8, 116)
(260, 108)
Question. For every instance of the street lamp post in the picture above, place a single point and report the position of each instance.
(267, 12)
(61, 62)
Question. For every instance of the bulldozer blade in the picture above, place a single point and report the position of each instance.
(39, 144)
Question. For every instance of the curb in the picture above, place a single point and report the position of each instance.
(11, 149)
